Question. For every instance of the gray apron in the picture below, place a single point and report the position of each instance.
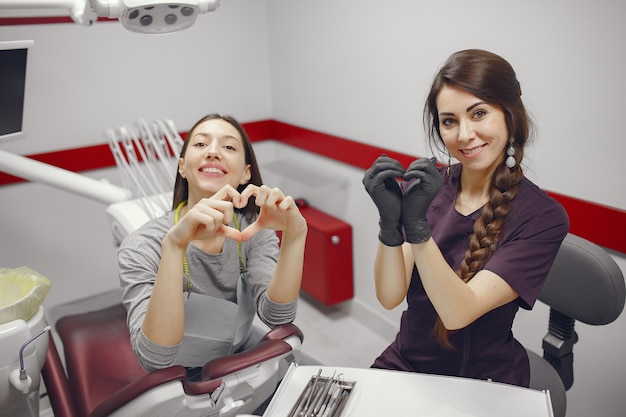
(215, 327)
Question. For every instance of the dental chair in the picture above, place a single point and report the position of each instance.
(102, 376)
(585, 284)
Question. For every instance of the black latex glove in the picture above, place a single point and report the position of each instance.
(417, 198)
(381, 184)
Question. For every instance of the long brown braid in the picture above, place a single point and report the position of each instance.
(491, 78)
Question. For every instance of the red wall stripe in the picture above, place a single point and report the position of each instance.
(351, 152)
(261, 130)
(603, 225)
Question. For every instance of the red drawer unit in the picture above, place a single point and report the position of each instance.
(328, 269)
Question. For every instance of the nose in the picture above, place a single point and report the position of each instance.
(466, 131)
(213, 150)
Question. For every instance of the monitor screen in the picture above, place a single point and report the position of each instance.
(13, 60)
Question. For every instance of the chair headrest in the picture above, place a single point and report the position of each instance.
(585, 283)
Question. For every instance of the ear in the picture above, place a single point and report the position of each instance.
(181, 167)
(245, 177)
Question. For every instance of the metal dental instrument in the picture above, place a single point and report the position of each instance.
(333, 401)
(295, 410)
(341, 404)
(322, 397)
(304, 412)
(330, 398)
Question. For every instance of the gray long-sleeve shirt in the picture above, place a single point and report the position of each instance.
(214, 275)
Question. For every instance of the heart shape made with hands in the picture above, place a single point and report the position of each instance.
(273, 203)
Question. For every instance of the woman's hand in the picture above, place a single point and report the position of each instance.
(208, 218)
(417, 198)
(278, 212)
(381, 184)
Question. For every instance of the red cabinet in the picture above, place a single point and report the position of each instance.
(328, 268)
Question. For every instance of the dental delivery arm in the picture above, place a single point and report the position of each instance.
(29, 169)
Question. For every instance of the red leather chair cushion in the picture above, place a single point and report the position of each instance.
(98, 356)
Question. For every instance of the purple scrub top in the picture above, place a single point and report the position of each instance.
(486, 349)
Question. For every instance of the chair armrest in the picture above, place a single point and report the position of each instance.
(227, 365)
(201, 387)
(283, 332)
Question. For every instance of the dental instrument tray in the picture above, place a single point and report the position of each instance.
(381, 392)
(323, 396)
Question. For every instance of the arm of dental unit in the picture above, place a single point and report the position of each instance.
(79, 10)
(143, 16)
(29, 169)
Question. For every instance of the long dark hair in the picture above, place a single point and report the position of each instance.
(492, 79)
(181, 187)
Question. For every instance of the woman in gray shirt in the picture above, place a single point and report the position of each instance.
(194, 278)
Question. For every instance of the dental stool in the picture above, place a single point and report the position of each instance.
(104, 378)
(585, 284)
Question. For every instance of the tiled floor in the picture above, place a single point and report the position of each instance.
(335, 339)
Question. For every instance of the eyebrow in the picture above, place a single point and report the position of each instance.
(466, 110)
(480, 103)
(222, 137)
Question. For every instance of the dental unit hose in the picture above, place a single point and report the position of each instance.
(21, 380)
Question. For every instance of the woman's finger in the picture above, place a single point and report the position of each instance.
(230, 233)
(249, 191)
(226, 193)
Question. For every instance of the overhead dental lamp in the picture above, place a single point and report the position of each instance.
(143, 16)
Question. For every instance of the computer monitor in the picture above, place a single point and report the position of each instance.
(13, 77)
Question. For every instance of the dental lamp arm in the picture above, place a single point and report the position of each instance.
(30, 169)
(79, 10)
(143, 16)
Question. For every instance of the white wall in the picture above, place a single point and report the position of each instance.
(361, 70)
(83, 80)
(355, 69)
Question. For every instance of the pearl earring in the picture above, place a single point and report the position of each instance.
(510, 152)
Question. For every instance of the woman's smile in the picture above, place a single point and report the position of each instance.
(213, 170)
(472, 152)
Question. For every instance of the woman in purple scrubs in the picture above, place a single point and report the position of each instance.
(470, 244)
